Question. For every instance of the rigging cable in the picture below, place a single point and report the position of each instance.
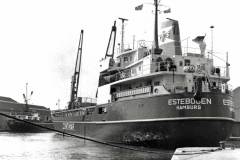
(82, 137)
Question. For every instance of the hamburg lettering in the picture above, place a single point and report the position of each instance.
(189, 107)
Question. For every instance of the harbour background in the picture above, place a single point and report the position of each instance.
(52, 146)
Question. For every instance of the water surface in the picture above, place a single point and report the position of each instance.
(51, 146)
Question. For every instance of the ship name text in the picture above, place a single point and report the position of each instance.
(68, 126)
(189, 103)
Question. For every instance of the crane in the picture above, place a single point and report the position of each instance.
(76, 75)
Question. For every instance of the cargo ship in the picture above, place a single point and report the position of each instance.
(153, 95)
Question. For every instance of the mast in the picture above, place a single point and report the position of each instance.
(122, 40)
(212, 27)
(25, 96)
(227, 66)
(75, 77)
(155, 42)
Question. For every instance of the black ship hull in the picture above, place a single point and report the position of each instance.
(160, 121)
(166, 133)
(19, 126)
(236, 129)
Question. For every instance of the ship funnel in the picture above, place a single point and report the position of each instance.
(169, 37)
(200, 41)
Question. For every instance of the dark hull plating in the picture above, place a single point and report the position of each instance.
(236, 129)
(167, 134)
(156, 121)
(17, 126)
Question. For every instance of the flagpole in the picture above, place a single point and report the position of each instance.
(156, 46)
(212, 40)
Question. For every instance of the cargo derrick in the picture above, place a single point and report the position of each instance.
(76, 75)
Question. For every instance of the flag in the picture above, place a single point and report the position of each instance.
(138, 8)
(166, 34)
(167, 11)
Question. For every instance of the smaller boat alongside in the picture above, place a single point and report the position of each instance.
(32, 117)
(28, 118)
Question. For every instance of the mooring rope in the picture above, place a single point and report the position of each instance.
(110, 144)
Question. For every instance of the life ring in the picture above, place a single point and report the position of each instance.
(156, 90)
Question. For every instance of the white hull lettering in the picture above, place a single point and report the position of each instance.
(189, 101)
(68, 126)
(189, 107)
(227, 102)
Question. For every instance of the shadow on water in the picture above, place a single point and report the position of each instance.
(51, 146)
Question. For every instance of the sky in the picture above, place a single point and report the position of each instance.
(39, 40)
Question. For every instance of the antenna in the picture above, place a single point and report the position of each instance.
(227, 66)
(212, 27)
(122, 40)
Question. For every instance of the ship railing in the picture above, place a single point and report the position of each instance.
(163, 66)
(173, 87)
(135, 44)
(133, 92)
(69, 113)
(88, 100)
(74, 112)
(144, 44)
(191, 51)
(186, 49)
